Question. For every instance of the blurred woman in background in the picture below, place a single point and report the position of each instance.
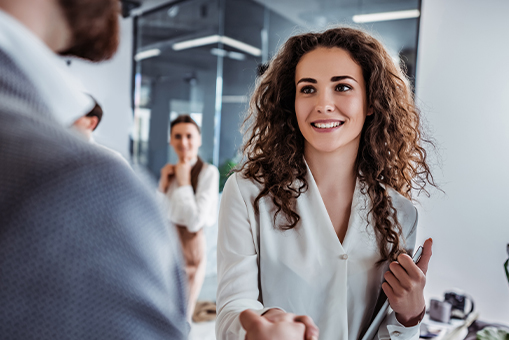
(191, 188)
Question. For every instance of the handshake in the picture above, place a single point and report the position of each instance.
(276, 324)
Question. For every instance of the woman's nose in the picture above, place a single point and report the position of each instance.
(325, 103)
(325, 108)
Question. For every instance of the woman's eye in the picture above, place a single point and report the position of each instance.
(343, 88)
(307, 90)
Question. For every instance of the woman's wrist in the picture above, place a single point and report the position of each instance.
(411, 321)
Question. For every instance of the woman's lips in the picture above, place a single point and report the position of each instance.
(327, 126)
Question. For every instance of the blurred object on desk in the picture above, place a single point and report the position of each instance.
(458, 301)
(492, 333)
(436, 330)
(460, 332)
(476, 331)
(428, 332)
(440, 311)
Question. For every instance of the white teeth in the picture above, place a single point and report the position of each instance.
(327, 125)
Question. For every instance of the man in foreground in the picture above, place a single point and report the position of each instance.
(84, 250)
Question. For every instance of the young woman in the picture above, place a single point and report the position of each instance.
(321, 206)
(191, 188)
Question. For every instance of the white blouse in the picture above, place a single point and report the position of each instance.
(305, 270)
(194, 210)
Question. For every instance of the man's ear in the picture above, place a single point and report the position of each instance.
(93, 122)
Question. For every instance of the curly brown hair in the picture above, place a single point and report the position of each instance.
(390, 153)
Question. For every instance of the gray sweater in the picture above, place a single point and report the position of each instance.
(84, 250)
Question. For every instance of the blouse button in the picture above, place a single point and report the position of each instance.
(344, 256)
(396, 333)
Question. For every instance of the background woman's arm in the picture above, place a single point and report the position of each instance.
(194, 210)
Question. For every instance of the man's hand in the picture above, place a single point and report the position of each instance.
(183, 173)
(276, 324)
(259, 328)
(167, 173)
(404, 286)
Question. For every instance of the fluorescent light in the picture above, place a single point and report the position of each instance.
(147, 54)
(386, 16)
(213, 39)
(234, 99)
(241, 46)
(222, 53)
(183, 45)
(236, 55)
(219, 52)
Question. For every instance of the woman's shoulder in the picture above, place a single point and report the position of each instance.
(248, 187)
(406, 211)
(400, 202)
(209, 170)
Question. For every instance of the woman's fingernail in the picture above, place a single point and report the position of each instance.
(431, 240)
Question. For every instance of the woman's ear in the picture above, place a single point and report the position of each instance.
(370, 111)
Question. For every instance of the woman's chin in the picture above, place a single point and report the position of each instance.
(324, 147)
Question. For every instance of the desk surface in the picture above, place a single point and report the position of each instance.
(440, 328)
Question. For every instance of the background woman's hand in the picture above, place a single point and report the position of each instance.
(288, 325)
(167, 172)
(404, 286)
(183, 173)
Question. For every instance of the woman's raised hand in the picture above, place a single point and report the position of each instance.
(166, 173)
(183, 173)
(276, 324)
(404, 286)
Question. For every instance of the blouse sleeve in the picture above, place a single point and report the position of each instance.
(237, 265)
(195, 210)
(391, 328)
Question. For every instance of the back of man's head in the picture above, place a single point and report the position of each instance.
(95, 28)
(87, 29)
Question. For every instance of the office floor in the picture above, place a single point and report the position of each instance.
(206, 330)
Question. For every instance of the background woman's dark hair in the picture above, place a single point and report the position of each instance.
(184, 119)
(390, 152)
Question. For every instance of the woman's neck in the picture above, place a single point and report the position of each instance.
(190, 160)
(333, 170)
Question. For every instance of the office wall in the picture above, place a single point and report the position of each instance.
(463, 91)
(110, 83)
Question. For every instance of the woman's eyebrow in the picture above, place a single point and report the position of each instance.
(307, 80)
(338, 78)
(333, 79)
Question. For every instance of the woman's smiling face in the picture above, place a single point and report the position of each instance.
(330, 100)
